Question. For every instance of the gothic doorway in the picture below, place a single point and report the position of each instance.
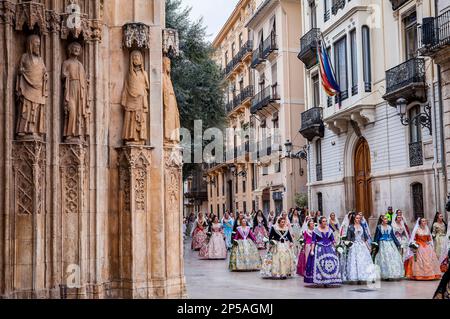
(363, 181)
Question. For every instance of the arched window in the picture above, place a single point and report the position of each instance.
(417, 198)
(366, 59)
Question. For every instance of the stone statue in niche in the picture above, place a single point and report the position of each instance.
(171, 112)
(76, 108)
(31, 90)
(135, 101)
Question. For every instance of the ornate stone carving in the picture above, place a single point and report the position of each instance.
(7, 12)
(73, 170)
(171, 112)
(76, 108)
(31, 90)
(136, 36)
(53, 20)
(171, 43)
(31, 13)
(29, 172)
(135, 101)
(134, 165)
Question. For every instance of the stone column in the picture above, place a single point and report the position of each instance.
(173, 190)
(27, 222)
(135, 242)
(74, 172)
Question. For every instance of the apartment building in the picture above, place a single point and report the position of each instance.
(377, 142)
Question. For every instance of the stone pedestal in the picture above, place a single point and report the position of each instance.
(74, 172)
(27, 221)
(134, 216)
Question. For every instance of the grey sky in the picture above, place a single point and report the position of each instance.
(214, 12)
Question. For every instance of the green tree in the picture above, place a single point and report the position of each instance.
(196, 77)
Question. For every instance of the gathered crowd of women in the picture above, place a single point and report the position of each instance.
(324, 251)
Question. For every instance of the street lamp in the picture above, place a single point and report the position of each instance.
(301, 155)
(423, 118)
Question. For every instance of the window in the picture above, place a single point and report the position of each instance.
(226, 58)
(274, 74)
(410, 31)
(233, 49)
(277, 167)
(244, 186)
(415, 139)
(265, 171)
(366, 59)
(223, 184)
(244, 205)
(255, 172)
(218, 210)
(354, 59)
(319, 160)
(340, 62)
(327, 6)
(417, 198)
(319, 202)
(236, 184)
(315, 90)
(211, 208)
(241, 40)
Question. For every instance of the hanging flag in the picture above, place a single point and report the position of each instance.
(326, 72)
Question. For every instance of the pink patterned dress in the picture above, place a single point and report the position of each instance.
(304, 253)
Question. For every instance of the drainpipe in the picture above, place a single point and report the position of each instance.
(441, 120)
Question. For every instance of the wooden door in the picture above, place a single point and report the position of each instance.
(363, 182)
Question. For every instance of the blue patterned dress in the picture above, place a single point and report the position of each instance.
(388, 258)
(323, 267)
(228, 230)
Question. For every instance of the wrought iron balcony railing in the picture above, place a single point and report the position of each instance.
(435, 34)
(336, 5)
(238, 58)
(407, 81)
(270, 45)
(312, 123)
(308, 47)
(257, 57)
(264, 98)
(397, 3)
(415, 154)
(247, 93)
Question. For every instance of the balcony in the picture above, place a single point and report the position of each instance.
(415, 154)
(312, 124)
(397, 3)
(246, 94)
(308, 47)
(229, 107)
(435, 33)
(270, 46)
(257, 57)
(264, 98)
(241, 56)
(407, 81)
(336, 5)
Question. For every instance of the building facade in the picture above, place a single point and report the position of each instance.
(261, 80)
(90, 187)
(377, 143)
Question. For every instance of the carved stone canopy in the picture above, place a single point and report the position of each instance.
(31, 14)
(361, 115)
(171, 43)
(136, 36)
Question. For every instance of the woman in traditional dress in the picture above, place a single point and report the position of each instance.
(279, 262)
(365, 224)
(215, 248)
(244, 255)
(271, 219)
(248, 216)
(359, 266)
(334, 226)
(227, 224)
(388, 257)
(343, 250)
(422, 262)
(237, 221)
(307, 230)
(199, 232)
(260, 230)
(322, 267)
(439, 233)
(296, 230)
(401, 232)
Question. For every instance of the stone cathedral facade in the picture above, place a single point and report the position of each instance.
(90, 176)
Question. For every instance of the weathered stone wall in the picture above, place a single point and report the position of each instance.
(63, 217)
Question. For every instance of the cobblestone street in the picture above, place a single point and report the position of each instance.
(210, 279)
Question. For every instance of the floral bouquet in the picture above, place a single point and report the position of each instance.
(414, 247)
(301, 242)
(340, 249)
(348, 243)
(265, 240)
